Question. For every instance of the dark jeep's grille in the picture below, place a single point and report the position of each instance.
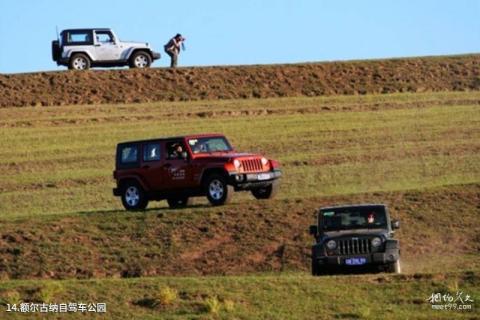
(252, 165)
(354, 246)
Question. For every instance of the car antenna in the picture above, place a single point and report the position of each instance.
(56, 30)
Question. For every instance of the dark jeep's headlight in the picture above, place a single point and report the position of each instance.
(331, 244)
(376, 242)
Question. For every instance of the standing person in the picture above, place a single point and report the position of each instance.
(172, 48)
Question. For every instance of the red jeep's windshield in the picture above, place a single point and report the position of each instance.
(209, 144)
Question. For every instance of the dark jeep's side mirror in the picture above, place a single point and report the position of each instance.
(395, 224)
(313, 230)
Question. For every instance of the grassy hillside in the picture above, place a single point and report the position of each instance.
(60, 160)
(418, 153)
(444, 73)
(439, 233)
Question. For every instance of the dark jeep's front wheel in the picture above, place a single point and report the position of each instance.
(317, 270)
(133, 197)
(266, 192)
(217, 189)
(140, 59)
(395, 267)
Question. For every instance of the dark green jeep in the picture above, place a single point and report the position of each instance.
(355, 238)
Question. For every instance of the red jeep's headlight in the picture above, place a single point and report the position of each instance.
(264, 161)
(237, 164)
(231, 166)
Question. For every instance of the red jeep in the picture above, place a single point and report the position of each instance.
(179, 168)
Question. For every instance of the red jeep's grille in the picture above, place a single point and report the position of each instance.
(252, 165)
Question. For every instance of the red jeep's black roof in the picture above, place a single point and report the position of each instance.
(190, 136)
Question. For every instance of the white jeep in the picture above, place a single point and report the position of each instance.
(80, 49)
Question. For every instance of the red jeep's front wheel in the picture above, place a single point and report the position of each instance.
(217, 189)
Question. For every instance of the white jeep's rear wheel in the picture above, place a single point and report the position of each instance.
(79, 61)
(140, 59)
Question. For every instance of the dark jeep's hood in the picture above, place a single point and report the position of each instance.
(354, 233)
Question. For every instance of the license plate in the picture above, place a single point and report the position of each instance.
(355, 261)
(263, 176)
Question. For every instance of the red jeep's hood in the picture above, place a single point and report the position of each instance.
(225, 155)
(249, 162)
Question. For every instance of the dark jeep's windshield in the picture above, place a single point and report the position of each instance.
(367, 217)
(209, 144)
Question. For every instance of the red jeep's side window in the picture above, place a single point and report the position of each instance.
(151, 152)
(175, 150)
(129, 155)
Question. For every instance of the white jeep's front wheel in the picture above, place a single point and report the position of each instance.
(140, 60)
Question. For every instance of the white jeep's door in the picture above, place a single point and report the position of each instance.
(107, 47)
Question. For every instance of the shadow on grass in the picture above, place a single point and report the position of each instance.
(146, 211)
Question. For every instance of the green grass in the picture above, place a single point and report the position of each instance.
(287, 296)
(418, 153)
(60, 160)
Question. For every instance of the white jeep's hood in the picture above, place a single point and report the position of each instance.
(134, 44)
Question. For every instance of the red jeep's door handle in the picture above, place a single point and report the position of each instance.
(145, 167)
(167, 165)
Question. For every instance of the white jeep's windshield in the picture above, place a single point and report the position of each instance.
(209, 144)
(353, 218)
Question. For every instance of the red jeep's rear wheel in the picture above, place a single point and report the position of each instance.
(133, 197)
(217, 189)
